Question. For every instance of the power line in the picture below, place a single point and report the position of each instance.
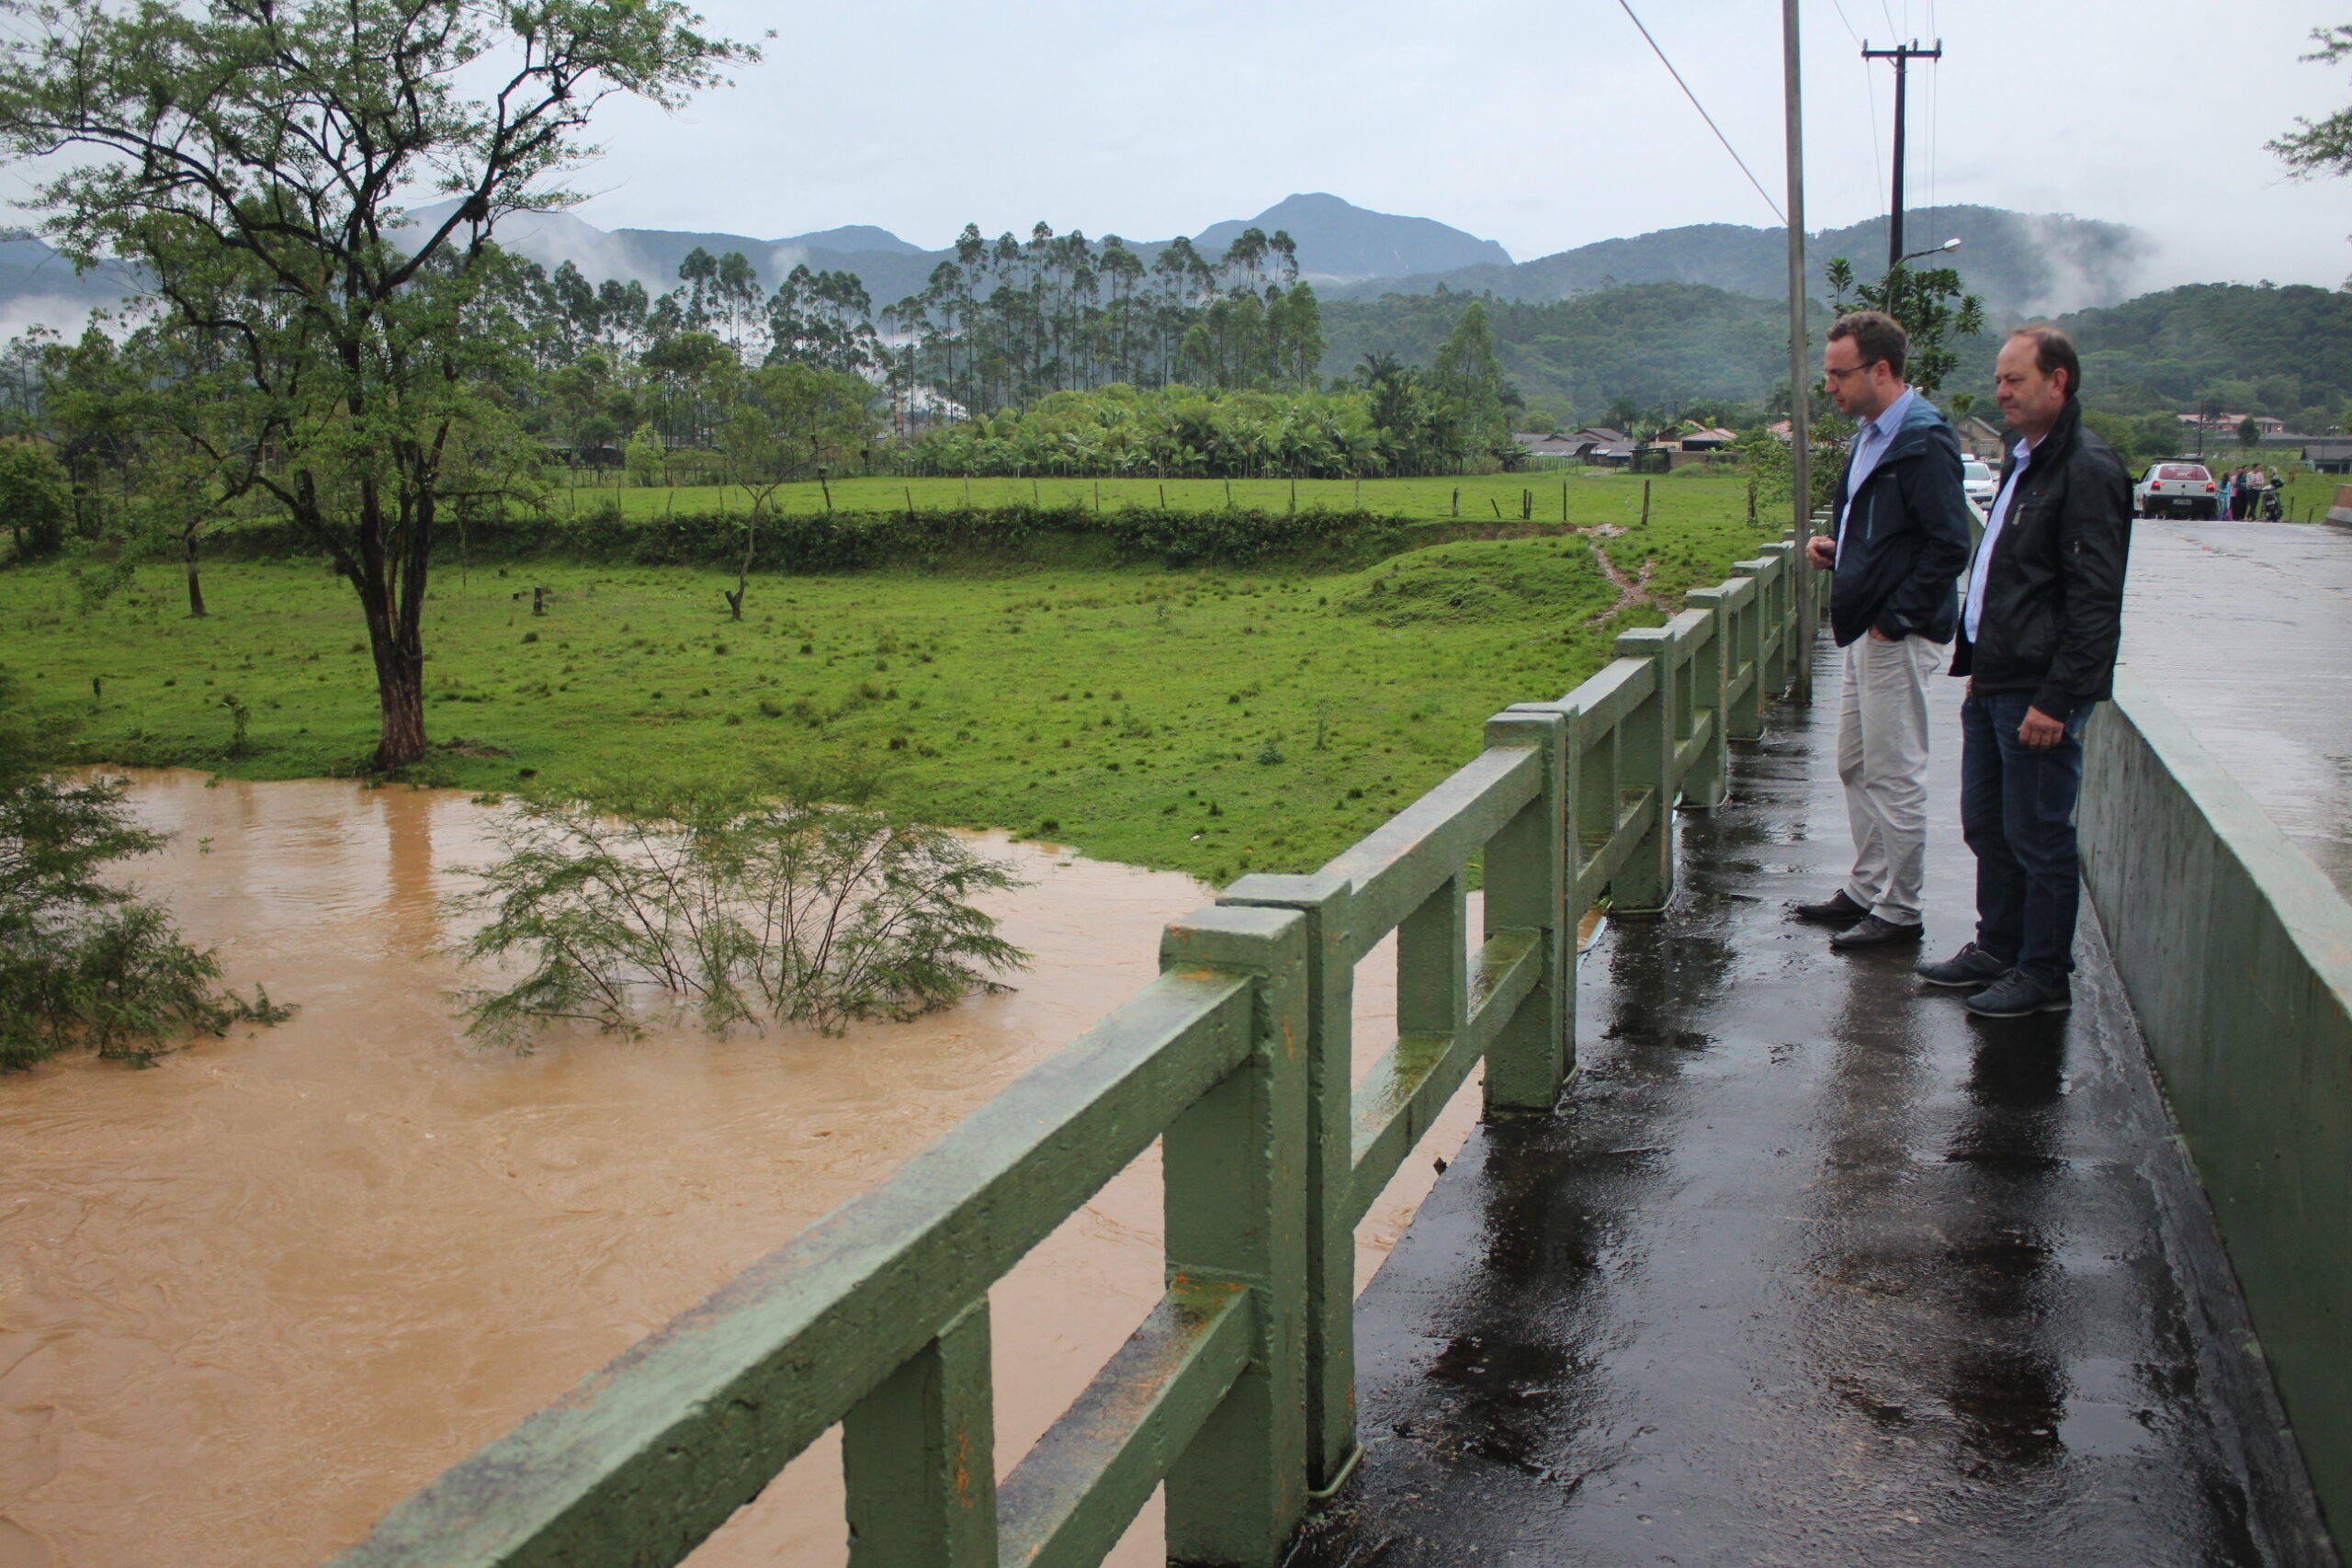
(1870, 96)
(1695, 104)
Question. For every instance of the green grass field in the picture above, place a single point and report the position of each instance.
(1585, 498)
(1210, 721)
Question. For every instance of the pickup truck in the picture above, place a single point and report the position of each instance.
(2176, 490)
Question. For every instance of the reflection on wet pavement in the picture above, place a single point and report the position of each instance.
(1815, 1269)
(2245, 629)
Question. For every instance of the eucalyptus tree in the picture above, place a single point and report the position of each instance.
(256, 162)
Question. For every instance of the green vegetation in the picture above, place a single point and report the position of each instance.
(83, 965)
(2315, 150)
(1593, 497)
(1936, 313)
(305, 350)
(748, 906)
(1639, 347)
(1130, 711)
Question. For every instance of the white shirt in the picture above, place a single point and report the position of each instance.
(1870, 444)
(1974, 611)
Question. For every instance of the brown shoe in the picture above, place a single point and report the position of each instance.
(1835, 910)
(1872, 931)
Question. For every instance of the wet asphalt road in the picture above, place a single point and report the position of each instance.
(1815, 1269)
(2245, 629)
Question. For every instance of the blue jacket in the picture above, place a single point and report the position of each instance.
(1905, 537)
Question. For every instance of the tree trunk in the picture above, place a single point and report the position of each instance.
(195, 581)
(400, 694)
(392, 564)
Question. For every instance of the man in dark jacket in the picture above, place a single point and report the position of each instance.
(1900, 540)
(2040, 625)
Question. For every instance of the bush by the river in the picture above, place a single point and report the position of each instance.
(83, 965)
(750, 910)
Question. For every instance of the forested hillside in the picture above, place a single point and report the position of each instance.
(2022, 263)
(1650, 343)
(2227, 347)
(2286, 352)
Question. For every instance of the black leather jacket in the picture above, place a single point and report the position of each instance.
(2053, 594)
(1903, 536)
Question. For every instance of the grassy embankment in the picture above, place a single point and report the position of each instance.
(1213, 721)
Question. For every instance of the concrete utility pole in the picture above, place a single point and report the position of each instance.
(1902, 54)
(1800, 356)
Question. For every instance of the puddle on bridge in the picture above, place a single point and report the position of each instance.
(252, 1297)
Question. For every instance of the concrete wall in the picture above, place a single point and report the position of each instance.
(2237, 953)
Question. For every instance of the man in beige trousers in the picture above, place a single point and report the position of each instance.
(1898, 544)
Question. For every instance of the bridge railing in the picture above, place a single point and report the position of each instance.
(1237, 1390)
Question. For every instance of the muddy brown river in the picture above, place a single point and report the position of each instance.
(253, 1296)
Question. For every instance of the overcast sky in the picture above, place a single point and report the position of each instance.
(1543, 127)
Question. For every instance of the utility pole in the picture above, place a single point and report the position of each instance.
(1903, 54)
(1800, 356)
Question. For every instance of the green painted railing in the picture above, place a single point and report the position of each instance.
(1236, 1391)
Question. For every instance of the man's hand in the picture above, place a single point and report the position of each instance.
(2039, 730)
(1878, 635)
(1822, 551)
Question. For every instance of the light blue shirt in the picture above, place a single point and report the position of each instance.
(1870, 445)
(1973, 612)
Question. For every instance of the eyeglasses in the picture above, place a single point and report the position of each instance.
(1848, 370)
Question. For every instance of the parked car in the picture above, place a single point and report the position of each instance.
(1976, 477)
(2177, 490)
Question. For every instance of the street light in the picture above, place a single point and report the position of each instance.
(1931, 251)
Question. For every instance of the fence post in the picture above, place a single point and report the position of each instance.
(1527, 868)
(1708, 784)
(1236, 1215)
(1746, 651)
(918, 1457)
(1645, 884)
(1327, 901)
(1782, 631)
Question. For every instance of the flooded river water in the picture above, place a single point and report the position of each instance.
(252, 1297)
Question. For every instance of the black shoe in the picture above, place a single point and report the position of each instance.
(1835, 910)
(1872, 931)
(1971, 969)
(2016, 993)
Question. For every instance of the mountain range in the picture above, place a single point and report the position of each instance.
(2022, 263)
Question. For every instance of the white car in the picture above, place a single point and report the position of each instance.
(1977, 480)
(2177, 490)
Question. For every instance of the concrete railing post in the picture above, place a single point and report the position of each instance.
(1527, 872)
(1706, 673)
(1325, 901)
(1645, 884)
(1234, 1164)
(918, 1457)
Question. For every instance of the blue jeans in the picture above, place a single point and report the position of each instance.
(2017, 811)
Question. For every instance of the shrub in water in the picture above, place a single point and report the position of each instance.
(750, 910)
(83, 965)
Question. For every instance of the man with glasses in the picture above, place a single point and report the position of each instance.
(1898, 544)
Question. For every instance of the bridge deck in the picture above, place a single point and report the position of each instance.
(2245, 629)
(1816, 1270)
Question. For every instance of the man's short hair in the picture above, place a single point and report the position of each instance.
(2053, 351)
(1877, 336)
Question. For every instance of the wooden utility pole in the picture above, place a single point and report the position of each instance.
(1800, 355)
(1902, 54)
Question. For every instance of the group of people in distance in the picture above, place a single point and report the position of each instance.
(2244, 491)
(2032, 619)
